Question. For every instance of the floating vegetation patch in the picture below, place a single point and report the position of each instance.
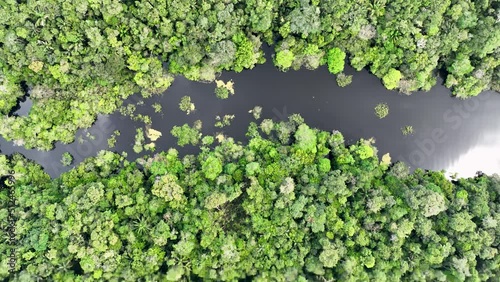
(407, 130)
(381, 110)
(256, 112)
(139, 140)
(67, 159)
(112, 139)
(186, 105)
(343, 80)
(157, 107)
(223, 90)
(224, 121)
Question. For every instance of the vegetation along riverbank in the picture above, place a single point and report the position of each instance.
(295, 204)
(78, 59)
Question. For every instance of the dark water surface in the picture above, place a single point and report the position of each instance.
(461, 136)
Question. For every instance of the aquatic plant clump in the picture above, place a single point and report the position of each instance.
(223, 121)
(223, 89)
(157, 107)
(186, 105)
(292, 204)
(407, 130)
(222, 92)
(256, 112)
(343, 80)
(186, 134)
(139, 141)
(66, 159)
(381, 110)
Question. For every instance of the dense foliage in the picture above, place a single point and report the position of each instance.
(294, 204)
(80, 58)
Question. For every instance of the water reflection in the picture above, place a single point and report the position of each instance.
(23, 107)
(486, 153)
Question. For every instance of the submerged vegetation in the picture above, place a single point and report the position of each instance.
(407, 130)
(157, 107)
(112, 140)
(77, 59)
(294, 204)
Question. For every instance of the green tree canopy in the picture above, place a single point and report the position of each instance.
(335, 60)
(258, 211)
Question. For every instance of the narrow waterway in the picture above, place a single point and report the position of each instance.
(459, 136)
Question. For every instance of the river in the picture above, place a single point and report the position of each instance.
(459, 136)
